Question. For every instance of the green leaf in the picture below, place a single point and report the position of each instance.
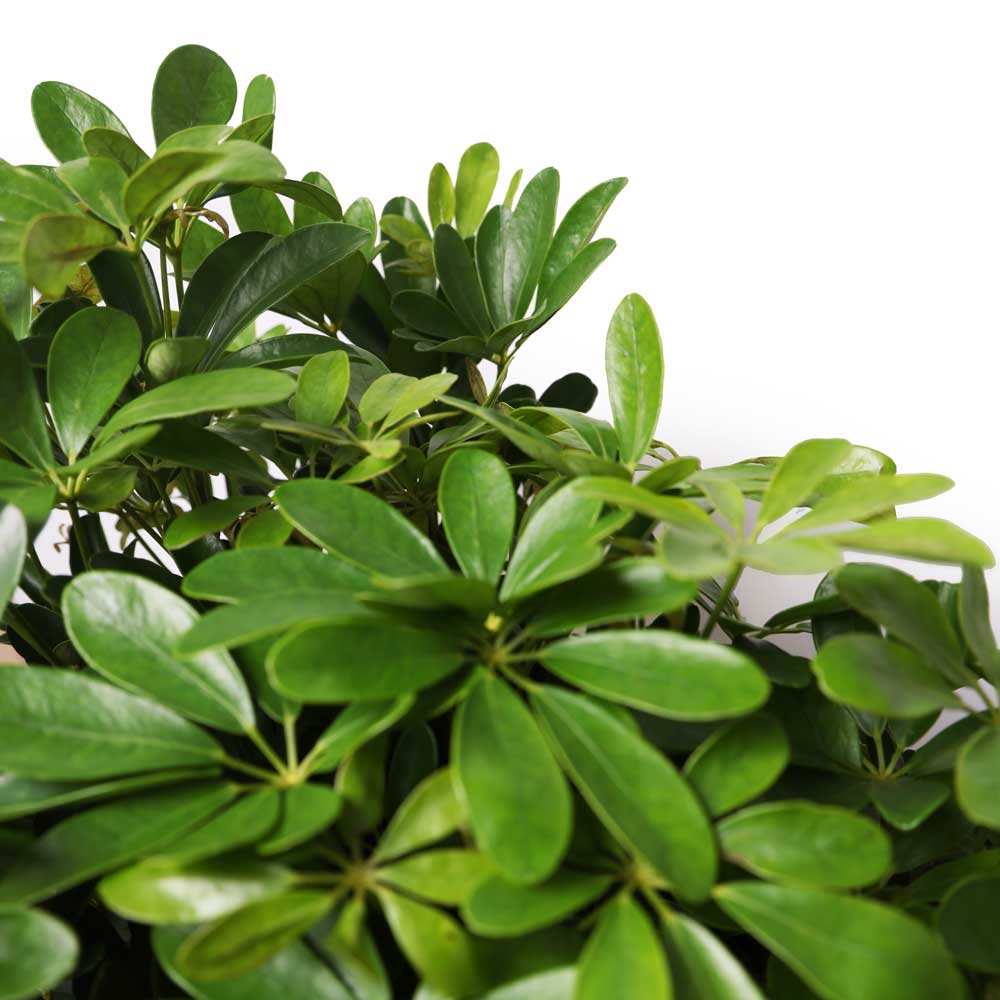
(322, 388)
(429, 813)
(63, 114)
(91, 359)
(98, 182)
(306, 811)
(623, 956)
(634, 789)
(498, 908)
(445, 956)
(207, 519)
(576, 231)
(261, 211)
(358, 527)
(22, 417)
(630, 588)
(459, 278)
(798, 474)
(844, 948)
(701, 967)
(519, 804)
(908, 610)
(248, 820)
(13, 547)
(967, 922)
(806, 844)
(354, 726)
(398, 659)
(126, 628)
(39, 951)
(106, 837)
(440, 196)
(243, 940)
(168, 891)
(193, 86)
(445, 876)
(738, 762)
(202, 393)
(977, 778)
(634, 361)
(111, 144)
(792, 555)
(880, 676)
(923, 538)
(477, 177)
(295, 969)
(62, 726)
(662, 672)
(428, 314)
(905, 803)
(476, 497)
(171, 357)
(54, 247)
(974, 616)
(24, 194)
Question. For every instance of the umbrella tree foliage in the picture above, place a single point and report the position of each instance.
(370, 681)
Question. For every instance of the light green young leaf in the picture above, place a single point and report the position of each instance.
(444, 876)
(440, 196)
(24, 194)
(13, 547)
(924, 538)
(477, 177)
(977, 778)
(429, 813)
(39, 952)
(207, 519)
(805, 466)
(322, 388)
(99, 183)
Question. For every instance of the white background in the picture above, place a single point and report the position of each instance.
(813, 210)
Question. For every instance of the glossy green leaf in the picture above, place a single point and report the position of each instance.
(259, 210)
(54, 247)
(265, 528)
(207, 518)
(477, 177)
(662, 672)
(22, 417)
(880, 676)
(168, 891)
(792, 555)
(248, 820)
(354, 726)
(98, 182)
(967, 921)
(430, 813)
(444, 876)
(977, 778)
(843, 947)
(440, 196)
(924, 538)
(358, 527)
(24, 194)
(110, 144)
(519, 804)
(798, 474)
(476, 497)
(91, 359)
(498, 908)
(64, 727)
(634, 790)
(738, 762)
(126, 628)
(63, 114)
(306, 811)
(459, 278)
(623, 957)
(974, 616)
(107, 837)
(905, 803)
(634, 361)
(13, 547)
(203, 393)
(193, 86)
(322, 388)
(806, 844)
(36, 952)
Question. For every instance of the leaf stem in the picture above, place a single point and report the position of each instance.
(265, 748)
(727, 589)
(81, 541)
(291, 745)
(168, 319)
(258, 772)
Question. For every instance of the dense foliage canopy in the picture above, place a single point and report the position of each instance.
(373, 677)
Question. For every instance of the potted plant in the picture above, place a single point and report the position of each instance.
(371, 679)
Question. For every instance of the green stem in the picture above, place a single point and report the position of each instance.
(291, 745)
(264, 747)
(727, 590)
(258, 772)
(81, 540)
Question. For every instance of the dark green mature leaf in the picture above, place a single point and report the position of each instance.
(977, 778)
(974, 616)
(967, 921)
(476, 497)
(477, 177)
(38, 951)
(13, 546)
(498, 908)
(806, 844)
(397, 659)
(22, 417)
(248, 820)
(164, 890)
(64, 727)
(519, 804)
(110, 144)
(662, 672)
(738, 762)
(306, 811)
(908, 610)
(905, 803)
(843, 947)
(358, 527)
(634, 361)
(243, 940)
(880, 676)
(91, 359)
(294, 969)
(925, 538)
(203, 393)
(126, 628)
(635, 790)
(193, 86)
(459, 278)
(207, 519)
(126, 282)
(63, 114)
(354, 726)
(798, 474)
(107, 837)
(623, 957)
(261, 211)
(54, 247)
